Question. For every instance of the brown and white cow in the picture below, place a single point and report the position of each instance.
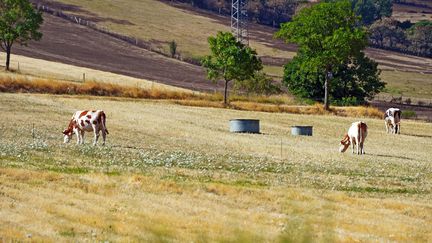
(392, 119)
(356, 135)
(86, 121)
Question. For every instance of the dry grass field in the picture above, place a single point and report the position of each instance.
(175, 173)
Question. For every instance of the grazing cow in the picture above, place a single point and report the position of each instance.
(86, 121)
(392, 118)
(356, 136)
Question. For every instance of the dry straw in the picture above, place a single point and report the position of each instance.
(248, 103)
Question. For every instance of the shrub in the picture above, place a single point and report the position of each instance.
(173, 48)
(260, 83)
(347, 101)
(409, 114)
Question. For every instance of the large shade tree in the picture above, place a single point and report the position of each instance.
(19, 23)
(330, 41)
(230, 60)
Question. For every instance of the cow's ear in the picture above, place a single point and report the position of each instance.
(345, 139)
(65, 132)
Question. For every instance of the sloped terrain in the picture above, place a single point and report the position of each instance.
(73, 44)
(159, 22)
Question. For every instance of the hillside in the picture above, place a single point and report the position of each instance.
(159, 22)
(77, 45)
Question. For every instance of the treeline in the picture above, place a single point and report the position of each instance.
(406, 37)
(385, 32)
(267, 12)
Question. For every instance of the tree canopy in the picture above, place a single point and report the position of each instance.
(330, 43)
(19, 22)
(230, 60)
(370, 10)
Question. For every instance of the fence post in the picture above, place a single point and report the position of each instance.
(33, 132)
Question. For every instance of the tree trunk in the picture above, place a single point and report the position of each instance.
(8, 52)
(326, 96)
(226, 92)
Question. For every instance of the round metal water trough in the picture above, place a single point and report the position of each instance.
(301, 130)
(245, 125)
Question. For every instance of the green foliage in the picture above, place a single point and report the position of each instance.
(258, 84)
(353, 81)
(326, 32)
(370, 10)
(423, 23)
(19, 22)
(347, 101)
(408, 114)
(173, 48)
(411, 38)
(330, 39)
(230, 60)
(420, 37)
(387, 33)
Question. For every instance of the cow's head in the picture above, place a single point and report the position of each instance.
(344, 143)
(67, 133)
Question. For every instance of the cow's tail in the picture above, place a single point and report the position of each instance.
(397, 117)
(103, 119)
(360, 134)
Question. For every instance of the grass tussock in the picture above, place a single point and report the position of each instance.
(361, 111)
(274, 104)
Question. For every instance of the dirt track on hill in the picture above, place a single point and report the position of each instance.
(73, 44)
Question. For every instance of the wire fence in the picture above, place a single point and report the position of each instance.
(423, 102)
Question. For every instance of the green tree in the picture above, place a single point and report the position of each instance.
(260, 83)
(328, 35)
(420, 36)
(230, 60)
(386, 33)
(353, 81)
(370, 10)
(173, 48)
(19, 22)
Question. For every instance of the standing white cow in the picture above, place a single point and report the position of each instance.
(356, 136)
(392, 119)
(86, 121)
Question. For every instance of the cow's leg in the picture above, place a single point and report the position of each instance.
(77, 133)
(398, 129)
(103, 136)
(361, 147)
(386, 126)
(82, 137)
(96, 134)
(357, 145)
(352, 144)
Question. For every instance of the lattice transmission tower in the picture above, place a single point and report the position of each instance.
(239, 26)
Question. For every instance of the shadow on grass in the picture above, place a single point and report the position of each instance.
(418, 135)
(391, 156)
